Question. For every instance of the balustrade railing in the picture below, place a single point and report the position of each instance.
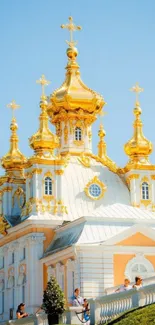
(110, 306)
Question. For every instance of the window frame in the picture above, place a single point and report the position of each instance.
(78, 134)
(145, 192)
(48, 186)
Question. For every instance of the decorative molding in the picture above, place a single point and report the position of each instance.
(59, 172)
(145, 179)
(78, 142)
(145, 202)
(22, 269)
(84, 160)
(95, 180)
(153, 177)
(133, 176)
(36, 171)
(7, 189)
(135, 205)
(48, 174)
(48, 198)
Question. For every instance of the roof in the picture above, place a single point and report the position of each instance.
(123, 211)
(111, 221)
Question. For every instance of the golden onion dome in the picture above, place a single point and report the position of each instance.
(43, 139)
(14, 159)
(74, 96)
(138, 148)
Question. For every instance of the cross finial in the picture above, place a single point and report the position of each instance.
(72, 28)
(137, 90)
(101, 114)
(13, 106)
(43, 82)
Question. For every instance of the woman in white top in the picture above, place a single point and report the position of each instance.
(138, 282)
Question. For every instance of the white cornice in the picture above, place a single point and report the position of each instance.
(59, 256)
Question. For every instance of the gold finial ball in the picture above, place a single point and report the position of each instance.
(13, 125)
(72, 52)
(137, 110)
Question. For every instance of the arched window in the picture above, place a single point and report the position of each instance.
(48, 186)
(78, 134)
(139, 266)
(145, 191)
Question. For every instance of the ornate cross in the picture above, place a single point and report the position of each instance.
(13, 106)
(137, 90)
(72, 28)
(43, 82)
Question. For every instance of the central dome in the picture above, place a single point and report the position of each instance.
(74, 96)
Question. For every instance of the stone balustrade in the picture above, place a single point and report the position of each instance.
(112, 305)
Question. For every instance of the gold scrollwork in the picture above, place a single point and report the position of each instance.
(145, 202)
(95, 180)
(78, 142)
(66, 133)
(4, 225)
(84, 160)
(59, 172)
(20, 194)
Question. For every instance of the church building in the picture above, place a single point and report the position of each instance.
(67, 212)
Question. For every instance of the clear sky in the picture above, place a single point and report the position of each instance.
(116, 49)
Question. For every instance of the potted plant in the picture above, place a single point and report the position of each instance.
(53, 301)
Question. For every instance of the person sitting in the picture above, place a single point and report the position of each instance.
(86, 312)
(20, 313)
(77, 300)
(126, 286)
(138, 282)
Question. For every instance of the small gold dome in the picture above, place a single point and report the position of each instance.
(43, 139)
(14, 159)
(74, 96)
(138, 148)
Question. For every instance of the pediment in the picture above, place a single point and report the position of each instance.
(137, 239)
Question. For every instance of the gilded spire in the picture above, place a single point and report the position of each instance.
(74, 97)
(138, 148)
(43, 141)
(14, 159)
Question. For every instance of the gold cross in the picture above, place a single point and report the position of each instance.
(137, 90)
(13, 106)
(43, 82)
(72, 28)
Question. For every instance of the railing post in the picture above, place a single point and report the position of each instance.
(95, 312)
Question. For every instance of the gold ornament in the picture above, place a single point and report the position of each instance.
(95, 180)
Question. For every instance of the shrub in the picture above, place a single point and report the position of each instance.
(53, 298)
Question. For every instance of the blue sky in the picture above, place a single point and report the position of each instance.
(116, 49)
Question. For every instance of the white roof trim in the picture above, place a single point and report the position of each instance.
(143, 229)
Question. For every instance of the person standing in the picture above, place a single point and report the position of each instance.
(125, 287)
(138, 282)
(77, 299)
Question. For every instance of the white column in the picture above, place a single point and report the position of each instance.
(34, 271)
(6, 295)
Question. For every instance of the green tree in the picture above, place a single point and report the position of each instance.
(53, 298)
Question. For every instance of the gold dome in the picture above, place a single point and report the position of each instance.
(14, 159)
(43, 140)
(74, 97)
(138, 148)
